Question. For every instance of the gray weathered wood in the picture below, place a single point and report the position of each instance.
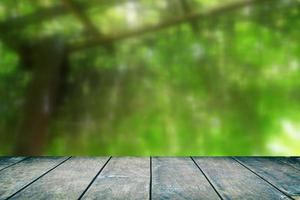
(17, 176)
(293, 161)
(67, 181)
(129, 178)
(233, 181)
(179, 178)
(122, 178)
(7, 161)
(279, 174)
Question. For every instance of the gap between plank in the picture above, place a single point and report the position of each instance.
(290, 165)
(207, 178)
(90, 184)
(38, 178)
(244, 165)
(150, 184)
(14, 163)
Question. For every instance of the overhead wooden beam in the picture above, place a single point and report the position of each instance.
(165, 24)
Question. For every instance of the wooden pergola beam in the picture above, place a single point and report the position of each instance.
(165, 24)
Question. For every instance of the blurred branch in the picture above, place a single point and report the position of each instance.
(43, 14)
(187, 9)
(166, 24)
(79, 13)
(37, 17)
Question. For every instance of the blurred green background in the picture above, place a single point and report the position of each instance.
(149, 77)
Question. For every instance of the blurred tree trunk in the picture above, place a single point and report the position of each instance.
(47, 60)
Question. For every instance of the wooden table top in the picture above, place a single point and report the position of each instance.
(149, 177)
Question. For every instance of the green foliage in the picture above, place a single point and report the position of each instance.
(13, 82)
(229, 88)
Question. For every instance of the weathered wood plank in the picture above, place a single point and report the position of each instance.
(18, 176)
(233, 181)
(7, 161)
(293, 161)
(122, 178)
(67, 181)
(129, 178)
(179, 178)
(277, 173)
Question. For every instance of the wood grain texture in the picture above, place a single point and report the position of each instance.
(17, 176)
(233, 181)
(7, 161)
(279, 174)
(137, 178)
(67, 181)
(179, 178)
(122, 178)
(293, 161)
